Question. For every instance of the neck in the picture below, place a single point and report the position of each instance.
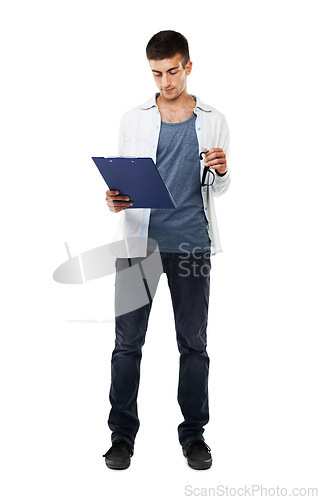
(182, 101)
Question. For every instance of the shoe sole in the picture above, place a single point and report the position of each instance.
(117, 465)
(199, 465)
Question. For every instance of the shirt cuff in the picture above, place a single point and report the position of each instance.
(221, 175)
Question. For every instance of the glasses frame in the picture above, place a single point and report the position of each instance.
(206, 171)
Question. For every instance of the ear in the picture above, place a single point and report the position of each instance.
(188, 67)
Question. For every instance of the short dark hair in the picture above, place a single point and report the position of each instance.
(166, 44)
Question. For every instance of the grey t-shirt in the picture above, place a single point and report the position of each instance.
(183, 229)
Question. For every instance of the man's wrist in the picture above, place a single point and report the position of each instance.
(221, 174)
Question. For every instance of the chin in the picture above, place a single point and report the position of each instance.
(170, 97)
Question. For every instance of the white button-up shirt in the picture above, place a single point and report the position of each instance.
(139, 134)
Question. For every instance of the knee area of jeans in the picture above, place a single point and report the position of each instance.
(135, 337)
(186, 350)
(128, 348)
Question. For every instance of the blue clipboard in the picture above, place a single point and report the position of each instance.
(137, 178)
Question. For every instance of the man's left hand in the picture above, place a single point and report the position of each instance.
(216, 158)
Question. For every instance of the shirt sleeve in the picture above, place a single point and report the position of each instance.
(221, 183)
(121, 138)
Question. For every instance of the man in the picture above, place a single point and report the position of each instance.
(173, 128)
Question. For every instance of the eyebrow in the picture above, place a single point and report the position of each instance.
(171, 69)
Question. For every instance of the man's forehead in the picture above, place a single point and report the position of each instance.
(166, 64)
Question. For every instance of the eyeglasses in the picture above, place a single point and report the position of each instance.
(205, 181)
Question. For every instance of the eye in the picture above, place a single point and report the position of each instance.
(173, 72)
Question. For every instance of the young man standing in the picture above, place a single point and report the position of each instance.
(173, 128)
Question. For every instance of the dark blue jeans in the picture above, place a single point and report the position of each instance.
(188, 281)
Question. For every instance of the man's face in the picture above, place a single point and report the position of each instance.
(170, 76)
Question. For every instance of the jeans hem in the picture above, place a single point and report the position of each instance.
(119, 437)
(193, 438)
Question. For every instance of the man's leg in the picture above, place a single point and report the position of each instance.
(189, 282)
(130, 330)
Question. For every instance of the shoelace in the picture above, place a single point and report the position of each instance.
(198, 445)
(122, 445)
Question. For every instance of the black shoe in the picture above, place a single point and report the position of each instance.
(198, 454)
(119, 455)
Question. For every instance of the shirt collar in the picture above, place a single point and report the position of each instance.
(199, 104)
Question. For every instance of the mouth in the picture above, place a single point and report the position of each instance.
(168, 90)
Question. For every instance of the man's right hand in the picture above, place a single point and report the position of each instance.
(116, 201)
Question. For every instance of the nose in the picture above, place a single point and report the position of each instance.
(166, 81)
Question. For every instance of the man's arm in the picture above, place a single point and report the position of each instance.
(216, 158)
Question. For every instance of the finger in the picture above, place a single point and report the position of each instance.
(213, 156)
(114, 203)
(111, 193)
(118, 197)
(212, 150)
(116, 209)
(218, 167)
(215, 162)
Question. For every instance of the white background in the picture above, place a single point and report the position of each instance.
(71, 69)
